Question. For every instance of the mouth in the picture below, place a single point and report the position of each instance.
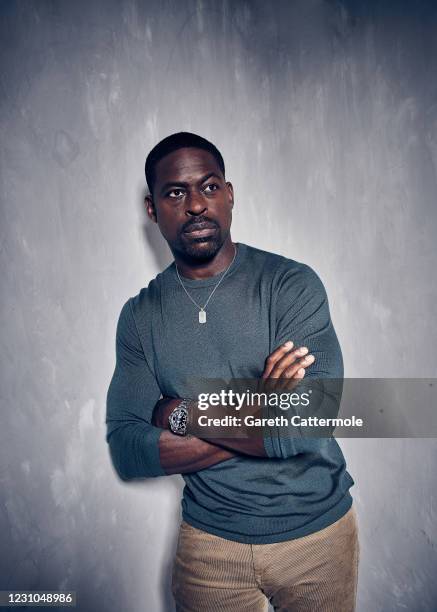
(200, 230)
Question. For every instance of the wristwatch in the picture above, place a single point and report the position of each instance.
(178, 418)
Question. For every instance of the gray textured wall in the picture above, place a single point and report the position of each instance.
(326, 114)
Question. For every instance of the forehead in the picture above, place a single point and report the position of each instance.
(185, 165)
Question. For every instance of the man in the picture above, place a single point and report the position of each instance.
(265, 517)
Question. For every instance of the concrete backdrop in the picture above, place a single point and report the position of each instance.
(326, 114)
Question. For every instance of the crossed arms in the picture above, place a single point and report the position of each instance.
(140, 442)
(286, 361)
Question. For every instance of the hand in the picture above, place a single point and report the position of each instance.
(288, 364)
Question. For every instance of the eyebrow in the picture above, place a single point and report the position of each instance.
(182, 184)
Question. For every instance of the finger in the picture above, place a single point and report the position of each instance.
(305, 362)
(286, 361)
(290, 378)
(292, 375)
(288, 373)
(273, 357)
(289, 384)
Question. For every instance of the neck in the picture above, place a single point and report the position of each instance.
(204, 269)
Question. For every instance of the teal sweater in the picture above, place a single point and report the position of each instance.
(264, 300)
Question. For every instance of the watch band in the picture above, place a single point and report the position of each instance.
(178, 418)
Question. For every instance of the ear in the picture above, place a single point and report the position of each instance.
(150, 207)
(231, 193)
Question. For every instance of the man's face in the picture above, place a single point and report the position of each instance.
(190, 192)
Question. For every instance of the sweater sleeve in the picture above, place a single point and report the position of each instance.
(132, 395)
(303, 316)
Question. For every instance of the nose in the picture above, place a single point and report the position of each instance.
(195, 205)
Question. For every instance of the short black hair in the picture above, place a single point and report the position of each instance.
(173, 142)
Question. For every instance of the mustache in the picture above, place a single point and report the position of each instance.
(199, 221)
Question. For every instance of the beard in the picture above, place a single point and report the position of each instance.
(200, 249)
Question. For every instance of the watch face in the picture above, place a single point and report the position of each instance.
(178, 420)
(182, 418)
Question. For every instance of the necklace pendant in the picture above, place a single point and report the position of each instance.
(202, 316)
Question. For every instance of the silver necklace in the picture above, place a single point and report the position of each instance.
(202, 311)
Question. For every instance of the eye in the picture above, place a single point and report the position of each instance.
(212, 187)
(175, 193)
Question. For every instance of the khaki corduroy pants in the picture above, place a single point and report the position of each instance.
(314, 573)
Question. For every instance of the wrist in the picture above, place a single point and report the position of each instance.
(182, 416)
(192, 408)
